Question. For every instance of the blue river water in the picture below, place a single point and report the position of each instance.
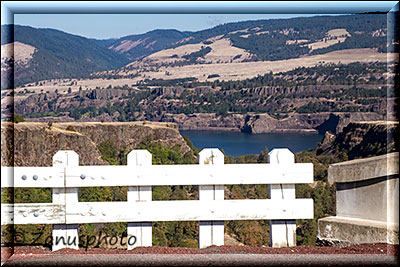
(237, 143)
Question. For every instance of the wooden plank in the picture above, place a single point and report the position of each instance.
(7, 177)
(282, 232)
(37, 213)
(188, 175)
(175, 210)
(24, 177)
(211, 232)
(142, 231)
(190, 210)
(65, 196)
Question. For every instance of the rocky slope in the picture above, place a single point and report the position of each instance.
(263, 123)
(360, 140)
(35, 143)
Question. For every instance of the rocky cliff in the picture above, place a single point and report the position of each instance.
(313, 122)
(206, 121)
(263, 123)
(34, 144)
(361, 140)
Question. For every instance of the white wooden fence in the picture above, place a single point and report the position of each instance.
(66, 212)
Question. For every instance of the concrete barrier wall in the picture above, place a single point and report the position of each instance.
(367, 202)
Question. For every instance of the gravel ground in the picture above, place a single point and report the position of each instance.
(210, 260)
(27, 252)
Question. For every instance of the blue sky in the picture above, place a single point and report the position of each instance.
(91, 19)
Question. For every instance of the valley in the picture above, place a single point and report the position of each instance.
(300, 100)
(266, 76)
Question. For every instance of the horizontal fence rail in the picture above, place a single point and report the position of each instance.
(66, 212)
(174, 210)
(91, 176)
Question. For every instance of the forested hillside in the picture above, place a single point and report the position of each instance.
(62, 55)
(135, 47)
(58, 54)
(271, 40)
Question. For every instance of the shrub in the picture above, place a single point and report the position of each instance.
(213, 76)
(109, 152)
(70, 128)
(18, 118)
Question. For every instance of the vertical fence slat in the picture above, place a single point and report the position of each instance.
(282, 232)
(141, 230)
(65, 236)
(211, 232)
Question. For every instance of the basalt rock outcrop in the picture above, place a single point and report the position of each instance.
(263, 123)
(337, 121)
(361, 140)
(312, 123)
(34, 144)
(206, 121)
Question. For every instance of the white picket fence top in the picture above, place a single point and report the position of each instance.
(66, 176)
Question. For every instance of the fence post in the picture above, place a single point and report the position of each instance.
(141, 230)
(282, 232)
(211, 232)
(65, 235)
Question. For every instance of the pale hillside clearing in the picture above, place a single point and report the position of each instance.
(165, 56)
(332, 37)
(287, 31)
(243, 70)
(221, 51)
(380, 32)
(127, 45)
(338, 33)
(227, 71)
(259, 33)
(289, 42)
(213, 39)
(22, 52)
(244, 30)
(325, 43)
(185, 40)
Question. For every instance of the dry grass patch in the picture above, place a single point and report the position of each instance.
(221, 51)
(243, 70)
(127, 45)
(289, 42)
(22, 52)
(325, 43)
(338, 33)
(235, 70)
(244, 30)
(332, 37)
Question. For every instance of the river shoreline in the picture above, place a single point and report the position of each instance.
(229, 130)
(241, 143)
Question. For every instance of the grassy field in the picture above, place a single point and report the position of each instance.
(226, 71)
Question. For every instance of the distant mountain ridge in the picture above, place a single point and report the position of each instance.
(62, 55)
(269, 33)
(58, 54)
(135, 47)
